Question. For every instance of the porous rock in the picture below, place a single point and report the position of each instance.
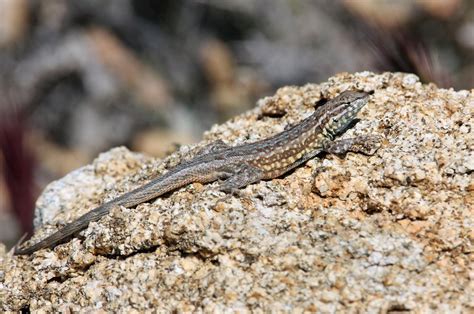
(388, 232)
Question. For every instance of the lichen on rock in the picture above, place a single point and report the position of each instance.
(392, 231)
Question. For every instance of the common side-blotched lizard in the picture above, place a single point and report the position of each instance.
(242, 165)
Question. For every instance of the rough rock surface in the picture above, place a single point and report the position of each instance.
(389, 232)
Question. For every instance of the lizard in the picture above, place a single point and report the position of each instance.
(238, 166)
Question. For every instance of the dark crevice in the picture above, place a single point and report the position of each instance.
(373, 207)
(58, 279)
(272, 114)
(203, 255)
(320, 102)
(25, 309)
(215, 262)
(395, 308)
(118, 256)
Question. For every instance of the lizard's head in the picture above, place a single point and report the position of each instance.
(343, 109)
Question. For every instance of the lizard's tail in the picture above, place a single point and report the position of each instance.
(180, 176)
(64, 233)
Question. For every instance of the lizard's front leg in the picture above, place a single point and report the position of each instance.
(365, 144)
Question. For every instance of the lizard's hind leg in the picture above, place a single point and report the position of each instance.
(243, 176)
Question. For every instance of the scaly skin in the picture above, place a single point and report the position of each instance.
(241, 165)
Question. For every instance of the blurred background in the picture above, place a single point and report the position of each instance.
(80, 77)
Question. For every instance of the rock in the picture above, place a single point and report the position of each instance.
(388, 232)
